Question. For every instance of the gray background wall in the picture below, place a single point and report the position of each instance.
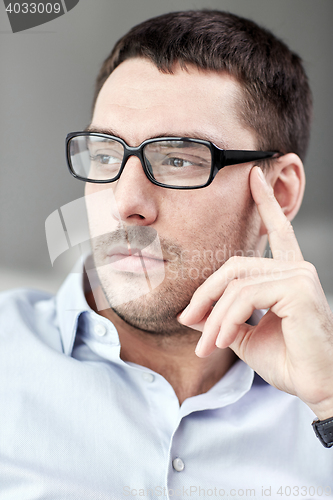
(46, 87)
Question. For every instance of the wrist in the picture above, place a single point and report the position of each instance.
(323, 410)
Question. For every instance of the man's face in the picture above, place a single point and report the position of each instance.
(196, 230)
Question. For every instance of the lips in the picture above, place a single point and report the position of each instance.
(134, 260)
(123, 252)
(134, 249)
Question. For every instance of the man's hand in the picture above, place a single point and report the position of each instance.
(292, 345)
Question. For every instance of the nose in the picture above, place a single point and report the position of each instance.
(135, 195)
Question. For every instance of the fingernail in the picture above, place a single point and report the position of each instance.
(261, 175)
(198, 344)
(218, 339)
(184, 313)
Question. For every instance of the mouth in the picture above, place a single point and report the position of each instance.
(134, 260)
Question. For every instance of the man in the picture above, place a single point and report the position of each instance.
(193, 156)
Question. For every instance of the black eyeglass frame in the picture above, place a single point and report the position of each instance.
(220, 157)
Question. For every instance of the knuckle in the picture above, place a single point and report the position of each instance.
(231, 267)
(237, 267)
(307, 271)
(234, 260)
(304, 282)
(245, 292)
(285, 229)
(288, 228)
(233, 286)
(308, 266)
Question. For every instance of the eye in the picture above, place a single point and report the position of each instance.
(177, 162)
(105, 159)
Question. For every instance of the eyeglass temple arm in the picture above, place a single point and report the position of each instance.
(231, 157)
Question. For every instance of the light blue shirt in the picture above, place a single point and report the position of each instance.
(78, 423)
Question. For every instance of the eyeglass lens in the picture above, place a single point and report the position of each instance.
(172, 163)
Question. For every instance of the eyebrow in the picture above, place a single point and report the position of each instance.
(97, 130)
(194, 135)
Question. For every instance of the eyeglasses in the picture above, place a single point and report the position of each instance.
(170, 162)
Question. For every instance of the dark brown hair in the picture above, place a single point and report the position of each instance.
(276, 102)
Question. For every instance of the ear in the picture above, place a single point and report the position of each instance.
(287, 179)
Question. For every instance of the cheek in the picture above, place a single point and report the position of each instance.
(234, 179)
(224, 213)
(227, 197)
(231, 191)
(103, 214)
(93, 188)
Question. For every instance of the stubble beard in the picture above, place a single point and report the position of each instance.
(185, 270)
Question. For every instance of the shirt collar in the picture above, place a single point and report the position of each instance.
(229, 389)
(71, 304)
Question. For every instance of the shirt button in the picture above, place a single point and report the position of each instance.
(100, 330)
(148, 377)
(178, 464)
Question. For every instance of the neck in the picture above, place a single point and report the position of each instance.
(173, 357)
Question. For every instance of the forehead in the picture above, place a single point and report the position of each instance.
(138, 101)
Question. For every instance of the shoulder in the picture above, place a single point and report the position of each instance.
(25, 312)
(24, 296)
(22, 304)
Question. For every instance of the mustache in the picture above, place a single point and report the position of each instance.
(138, 238)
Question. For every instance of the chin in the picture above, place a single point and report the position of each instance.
(153, 312)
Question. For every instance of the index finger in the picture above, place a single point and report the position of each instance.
(280, 232)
